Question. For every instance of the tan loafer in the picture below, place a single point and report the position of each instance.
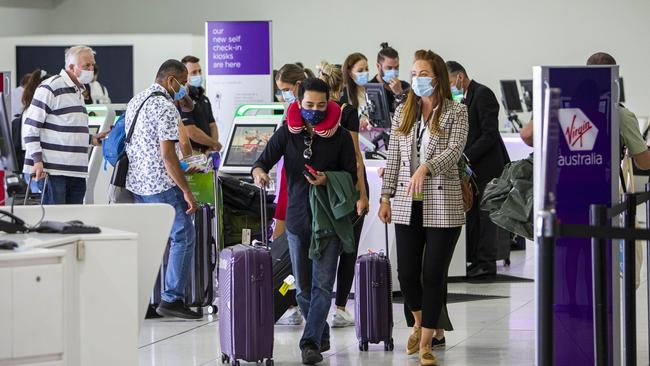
(413, 344)
(426, 356)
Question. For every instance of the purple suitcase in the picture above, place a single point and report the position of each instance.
(374, 299)
(246, 301)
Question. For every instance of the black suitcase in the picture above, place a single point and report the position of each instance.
(281, 269)
(200, 288)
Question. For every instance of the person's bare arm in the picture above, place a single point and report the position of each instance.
(362, 205)
(173, 167)
(197, 135)
(526, 134)
(214, 133)
(642, 160)
(184, 141)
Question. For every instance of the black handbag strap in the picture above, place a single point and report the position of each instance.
(135, 119)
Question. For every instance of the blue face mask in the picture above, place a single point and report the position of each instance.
(390, 74)
(361, 78)
(313, 116)
(422, 86)
(456, 93)
(180, 94)
(196, 81)
(288, 96)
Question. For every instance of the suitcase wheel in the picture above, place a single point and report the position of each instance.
(506, 262)
(234, 362)
(269, 362)
(212, 309)
(363, 346)
(225, 358)
(389, 346)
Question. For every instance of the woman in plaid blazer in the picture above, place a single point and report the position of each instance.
(421, 176)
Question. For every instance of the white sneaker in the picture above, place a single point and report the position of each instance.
(292, 316)
(342, 319)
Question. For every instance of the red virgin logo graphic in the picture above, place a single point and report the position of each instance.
(579, 132)
(575, 132)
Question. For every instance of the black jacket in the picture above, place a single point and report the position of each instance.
(485, 149)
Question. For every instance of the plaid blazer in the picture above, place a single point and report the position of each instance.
(443, 201)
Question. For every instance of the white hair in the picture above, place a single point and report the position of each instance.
(72, 54)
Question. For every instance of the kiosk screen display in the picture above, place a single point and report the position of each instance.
(510, 96)
(247, 143)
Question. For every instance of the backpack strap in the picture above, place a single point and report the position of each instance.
(135, 118)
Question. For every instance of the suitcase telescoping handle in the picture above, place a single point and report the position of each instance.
(386, 237)
(29, 186)
(265, 229)
(216, 161)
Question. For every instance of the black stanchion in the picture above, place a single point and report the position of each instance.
(629, 285)
(598, 217)
(647, 223)
(546, 235)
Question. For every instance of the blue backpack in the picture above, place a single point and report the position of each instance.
(113, 145)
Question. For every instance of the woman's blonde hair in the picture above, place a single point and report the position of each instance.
(333, 77)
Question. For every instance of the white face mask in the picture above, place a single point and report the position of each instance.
(86, 77)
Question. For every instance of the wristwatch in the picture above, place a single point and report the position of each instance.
(385, 200)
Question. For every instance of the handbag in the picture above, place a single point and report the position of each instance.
(468, 185)
(118, 178)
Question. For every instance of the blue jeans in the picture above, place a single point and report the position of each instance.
(181, 247)
(314, 283)
(62, 190)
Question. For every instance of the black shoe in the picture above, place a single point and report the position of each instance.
(324, 346)
(177, 309)
(311, 356)
(438, 343)
(481, 271)
(151, 313)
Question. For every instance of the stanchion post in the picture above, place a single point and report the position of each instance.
(629, 285)
(598, 218)
(546, 236)
(647, 248)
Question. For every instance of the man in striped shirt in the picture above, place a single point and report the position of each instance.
(55, 131)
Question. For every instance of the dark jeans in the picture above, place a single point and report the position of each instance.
(314, 283)
(62, 190)
(181, 247)
(347, 261)
(423, 258)
(481, 235)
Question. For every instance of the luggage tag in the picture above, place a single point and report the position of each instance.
(287, 285)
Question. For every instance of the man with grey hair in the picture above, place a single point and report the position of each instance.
(55, 131)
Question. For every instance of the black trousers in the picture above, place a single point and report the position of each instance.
(481, 235)
(345, 272)
(423, 258)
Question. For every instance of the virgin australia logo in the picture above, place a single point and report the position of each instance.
(579, 132)
(580, 135)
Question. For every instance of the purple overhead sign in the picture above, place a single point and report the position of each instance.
(238, 48)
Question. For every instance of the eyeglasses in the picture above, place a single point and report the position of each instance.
(308, 153)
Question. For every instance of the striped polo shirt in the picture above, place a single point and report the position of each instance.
(55, 128)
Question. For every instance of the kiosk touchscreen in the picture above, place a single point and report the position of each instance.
(527, 93)
(245, 145)
(510, 96)
(378, 111)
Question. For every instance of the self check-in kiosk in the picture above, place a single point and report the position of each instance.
(100, 118)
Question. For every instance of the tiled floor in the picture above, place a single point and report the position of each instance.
(488, 332)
